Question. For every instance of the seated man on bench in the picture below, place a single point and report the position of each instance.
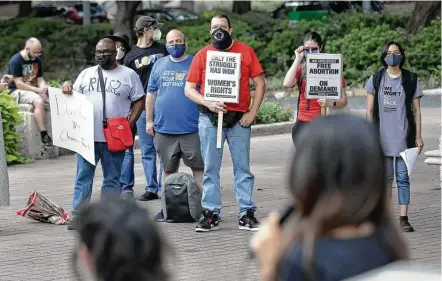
(28, 86)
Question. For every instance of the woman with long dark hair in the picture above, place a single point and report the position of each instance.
(343, 225)
(308, 109)
(393, 104)
(118, 242)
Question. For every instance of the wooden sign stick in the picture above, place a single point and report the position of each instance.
(219, 132)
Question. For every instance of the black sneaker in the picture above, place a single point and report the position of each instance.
(147, 196)
(207, 222)
(405, 225)
(47, 141)
(249, 222)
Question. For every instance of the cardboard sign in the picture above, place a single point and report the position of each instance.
(72, 119)
(223, 71)
(324, 76)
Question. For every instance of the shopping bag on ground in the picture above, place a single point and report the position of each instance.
(41, 209)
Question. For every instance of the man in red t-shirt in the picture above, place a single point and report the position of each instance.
(237, 120)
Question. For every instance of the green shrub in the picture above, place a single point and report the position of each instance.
(67, 48)
(271, 112)
(424, 52)
(11, 117)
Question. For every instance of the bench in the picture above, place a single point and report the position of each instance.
(30, 140)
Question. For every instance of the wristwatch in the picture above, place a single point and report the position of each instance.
(334, 103)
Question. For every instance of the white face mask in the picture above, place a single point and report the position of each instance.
(120, 54)
(156, 35)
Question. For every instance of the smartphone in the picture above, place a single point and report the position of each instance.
(286, 214)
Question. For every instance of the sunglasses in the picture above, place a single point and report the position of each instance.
(311, 50)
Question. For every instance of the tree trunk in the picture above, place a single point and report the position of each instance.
(124, 18)
(241, 7)
(24, 9)
(424, 12)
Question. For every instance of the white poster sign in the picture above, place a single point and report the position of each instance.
(324, 76)
(223, 71)
(72, 118)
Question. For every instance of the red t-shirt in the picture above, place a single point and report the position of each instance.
(314, 109)
(250, 68)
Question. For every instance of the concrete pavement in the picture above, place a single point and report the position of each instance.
(34, 251)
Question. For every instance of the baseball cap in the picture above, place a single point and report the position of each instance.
(146, 21)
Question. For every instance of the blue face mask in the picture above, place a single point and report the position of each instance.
(176, 51)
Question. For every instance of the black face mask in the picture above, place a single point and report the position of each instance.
(221, 39)
(105, 62)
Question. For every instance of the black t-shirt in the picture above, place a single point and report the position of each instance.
(337, 259)
(141, 60)
(30, 70)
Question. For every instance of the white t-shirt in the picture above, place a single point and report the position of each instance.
(122, 86)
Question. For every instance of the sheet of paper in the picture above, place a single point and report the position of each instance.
(73, 123)
(410, 156)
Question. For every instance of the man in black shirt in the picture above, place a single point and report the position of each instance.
(141, 58)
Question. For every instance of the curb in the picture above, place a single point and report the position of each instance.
(258, 130)
(432, 92)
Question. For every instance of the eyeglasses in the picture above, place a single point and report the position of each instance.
(310, 50)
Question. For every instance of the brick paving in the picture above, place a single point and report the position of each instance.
(221, 255)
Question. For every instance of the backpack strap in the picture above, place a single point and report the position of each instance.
(377, 78)
(409, 84)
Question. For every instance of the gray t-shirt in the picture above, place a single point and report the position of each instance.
(122, 85)
(392, 113)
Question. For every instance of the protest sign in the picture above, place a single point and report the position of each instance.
(324, 76)
(72, 119)
(223, 72)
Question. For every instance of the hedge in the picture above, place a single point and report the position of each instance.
(11, 117)
(69, 48)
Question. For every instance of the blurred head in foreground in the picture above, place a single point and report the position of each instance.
(338, 182)
(118, 241)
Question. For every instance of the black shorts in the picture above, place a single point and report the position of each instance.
(171, 148)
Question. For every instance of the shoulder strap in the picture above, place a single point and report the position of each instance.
(103, 94)
(301, 77)
(409, 83)
(377, 78)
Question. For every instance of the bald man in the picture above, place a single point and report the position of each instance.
(175, 125)
(28, 86)
(122, 87)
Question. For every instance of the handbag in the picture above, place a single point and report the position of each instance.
(117, 131)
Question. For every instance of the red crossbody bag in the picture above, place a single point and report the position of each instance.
(116, 130)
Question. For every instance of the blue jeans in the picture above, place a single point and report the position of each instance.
(111, 166)
(402, 180)
(238, 138)
(148, 159)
